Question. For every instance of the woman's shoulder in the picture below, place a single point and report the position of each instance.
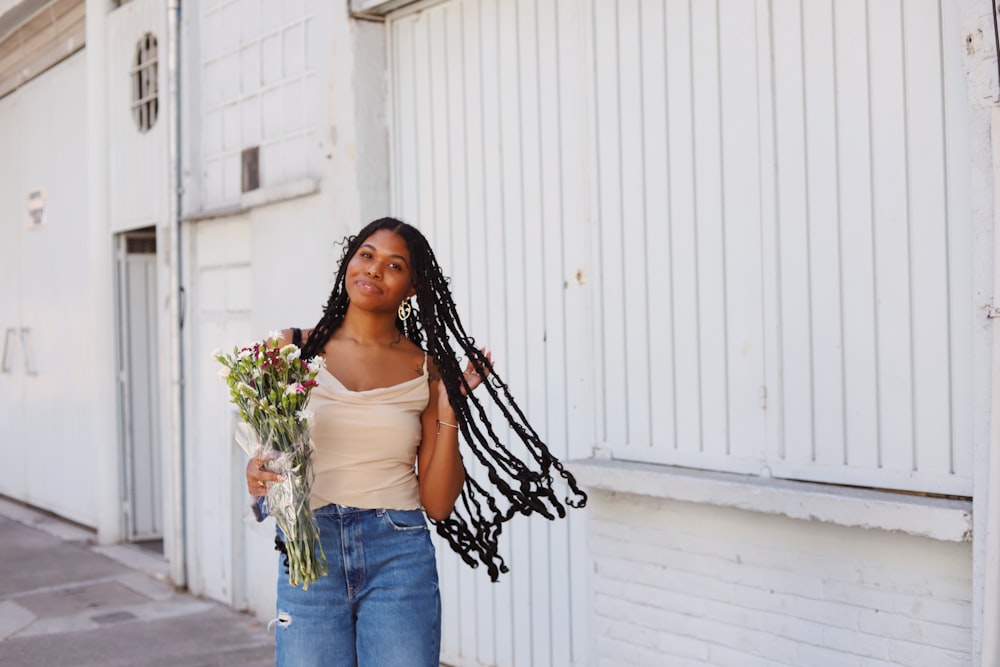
(417, 356)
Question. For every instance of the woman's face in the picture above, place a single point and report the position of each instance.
(379, 275)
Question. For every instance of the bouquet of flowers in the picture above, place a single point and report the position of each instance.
(270, 386)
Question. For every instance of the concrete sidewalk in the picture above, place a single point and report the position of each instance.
(65, 602)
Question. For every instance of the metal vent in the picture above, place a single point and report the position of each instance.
(250, 159)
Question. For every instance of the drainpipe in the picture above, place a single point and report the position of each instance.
(177, 555)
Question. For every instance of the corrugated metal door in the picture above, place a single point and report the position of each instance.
(783, 252)
(489, 164)
(865, 152)
(780, 260)
(680, 310)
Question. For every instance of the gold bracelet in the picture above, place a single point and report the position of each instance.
(439, 423)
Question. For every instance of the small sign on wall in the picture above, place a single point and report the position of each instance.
(35, 208)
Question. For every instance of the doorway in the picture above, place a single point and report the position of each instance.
(138, 380)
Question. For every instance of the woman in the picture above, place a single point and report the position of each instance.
(382, 404)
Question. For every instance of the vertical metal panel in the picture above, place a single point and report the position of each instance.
(867, 227)
(485, 164)
(819, 53)
(741, 230)
(611, 314)
(857, 299)
(960, 242)
(678, 203)
(776, 108)
(682, 227)
(660, 399)
(891, 237)
(792, 240)
(928, 251)
(708, 250)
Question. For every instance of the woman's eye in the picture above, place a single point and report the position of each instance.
(395, 266)
(366, 255)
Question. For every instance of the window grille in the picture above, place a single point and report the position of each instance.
(145, 102)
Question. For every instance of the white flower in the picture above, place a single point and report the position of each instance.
(305, 415)
(274, 335)
(295, 388)
(316, 363)
(291, 352)
(224, 373)
(244, 353)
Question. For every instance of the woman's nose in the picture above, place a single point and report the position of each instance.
(374, 270)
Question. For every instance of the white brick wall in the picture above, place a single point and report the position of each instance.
(684, 584)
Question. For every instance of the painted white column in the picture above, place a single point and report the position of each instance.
(100, 252)
(357, 170)
(175, 542)
(987, 510)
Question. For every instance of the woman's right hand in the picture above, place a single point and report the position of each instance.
(258, 476)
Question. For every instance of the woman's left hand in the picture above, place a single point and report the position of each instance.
(471, 376)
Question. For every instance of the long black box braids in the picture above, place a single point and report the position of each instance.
(526, 484)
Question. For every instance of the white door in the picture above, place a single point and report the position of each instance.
(138, 377)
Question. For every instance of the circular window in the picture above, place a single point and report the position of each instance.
(145, 105)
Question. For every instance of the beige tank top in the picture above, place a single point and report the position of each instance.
(366, 443)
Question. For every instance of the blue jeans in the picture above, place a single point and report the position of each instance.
(378, 607)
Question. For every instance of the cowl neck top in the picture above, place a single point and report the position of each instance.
(365, 443)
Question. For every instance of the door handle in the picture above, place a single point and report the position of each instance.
(8, 334)
(28, 350)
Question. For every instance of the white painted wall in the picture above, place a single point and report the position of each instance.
(982, 92)
(265, 260)
(138, 162)
(258, 73)
(697, 585)
(503, 168)
(54, 411)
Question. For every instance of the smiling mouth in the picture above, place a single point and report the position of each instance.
(366, 286)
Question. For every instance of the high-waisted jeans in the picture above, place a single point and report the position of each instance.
(379, 606)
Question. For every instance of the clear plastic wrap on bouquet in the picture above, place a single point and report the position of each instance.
(288, 500)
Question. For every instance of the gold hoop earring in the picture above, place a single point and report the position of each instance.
(405, 310)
